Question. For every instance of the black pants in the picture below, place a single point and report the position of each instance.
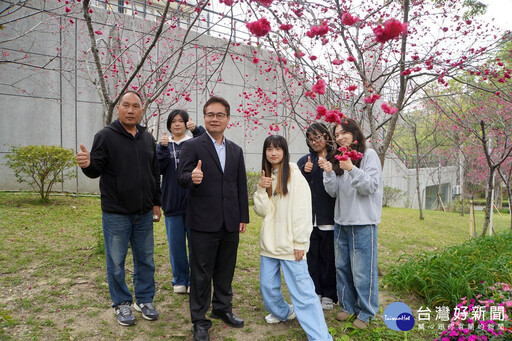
(212, 256)
(321, 263)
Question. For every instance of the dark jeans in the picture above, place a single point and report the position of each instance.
(137, 229)
(212, 257)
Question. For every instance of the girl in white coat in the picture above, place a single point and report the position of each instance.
(283, 199)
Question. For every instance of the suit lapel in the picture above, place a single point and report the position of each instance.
(208, 145)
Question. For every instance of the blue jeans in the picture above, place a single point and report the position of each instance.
(302, 292)
(118, 231)
(177, 236)
(356, 269)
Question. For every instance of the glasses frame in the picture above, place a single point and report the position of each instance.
(317, 139)
(219, 115)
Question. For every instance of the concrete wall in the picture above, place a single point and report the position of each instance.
(58, 104)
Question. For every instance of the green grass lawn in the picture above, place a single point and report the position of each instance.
(53, 280)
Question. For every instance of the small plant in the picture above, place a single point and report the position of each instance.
(42, 166)
(390, 195)
(488, 317)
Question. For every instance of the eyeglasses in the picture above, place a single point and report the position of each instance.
(317, 138)
(219, 115)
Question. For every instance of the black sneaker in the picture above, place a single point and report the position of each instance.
(124, 314)
(148, 310)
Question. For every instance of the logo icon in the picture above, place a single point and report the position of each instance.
(398, 316)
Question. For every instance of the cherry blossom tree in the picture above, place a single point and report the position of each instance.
(367, 60)
(485, 124)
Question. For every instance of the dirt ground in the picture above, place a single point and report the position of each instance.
(85, 315)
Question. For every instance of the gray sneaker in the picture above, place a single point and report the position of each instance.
(148, 310)
(124, 314)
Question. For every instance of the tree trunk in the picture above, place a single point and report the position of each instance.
(420, 202)
(488, 202)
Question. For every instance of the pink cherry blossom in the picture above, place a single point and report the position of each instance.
(391, 30)
(227, 2)
(319, 87)
(285, 27)
(348, 19)
(259, 28)
(388, 109)
(351, 59)
(371, 99)
(265, 3)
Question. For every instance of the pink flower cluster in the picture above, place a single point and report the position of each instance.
(371, 99)
(330, 116)
(348, 153)
(318, 31)
(348, 19)
(227, 2)
(391, 30)
(265, 3)
(498, 295)
(259, 28)
(388, 109)
(285, 27)
(319, 87)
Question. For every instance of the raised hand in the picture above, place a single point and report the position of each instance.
(197, 174)
(165, 140)
(190, 124)
(308, 167)
(325, 165)
(83, 157)
(265, 182)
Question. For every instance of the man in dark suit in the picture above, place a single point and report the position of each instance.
(213, 169)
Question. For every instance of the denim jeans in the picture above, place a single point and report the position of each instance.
(177, 236)
(302, 292)
(356, 269)
(118, 231)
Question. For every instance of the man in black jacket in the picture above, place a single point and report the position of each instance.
(124, 156)
(213, 169)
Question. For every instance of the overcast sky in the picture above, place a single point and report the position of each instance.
(501, 11)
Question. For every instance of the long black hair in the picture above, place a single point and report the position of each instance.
(359, 140)
(283, 176)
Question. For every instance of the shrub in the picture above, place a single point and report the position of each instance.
(390, 195)
(42, 166)
(253, 178)
(443, 278)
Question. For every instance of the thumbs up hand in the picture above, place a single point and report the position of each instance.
(326, 165)
(190, 124)
(265, 182)
(83, 157)
(165, 140)
(308, 167)
(197, 174)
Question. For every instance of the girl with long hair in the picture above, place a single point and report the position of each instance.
(358, 192)
(283, 199)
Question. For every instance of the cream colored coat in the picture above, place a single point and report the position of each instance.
(287, 222)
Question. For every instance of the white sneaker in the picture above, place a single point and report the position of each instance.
(271, 319)
(180, 289)
(327, 303)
